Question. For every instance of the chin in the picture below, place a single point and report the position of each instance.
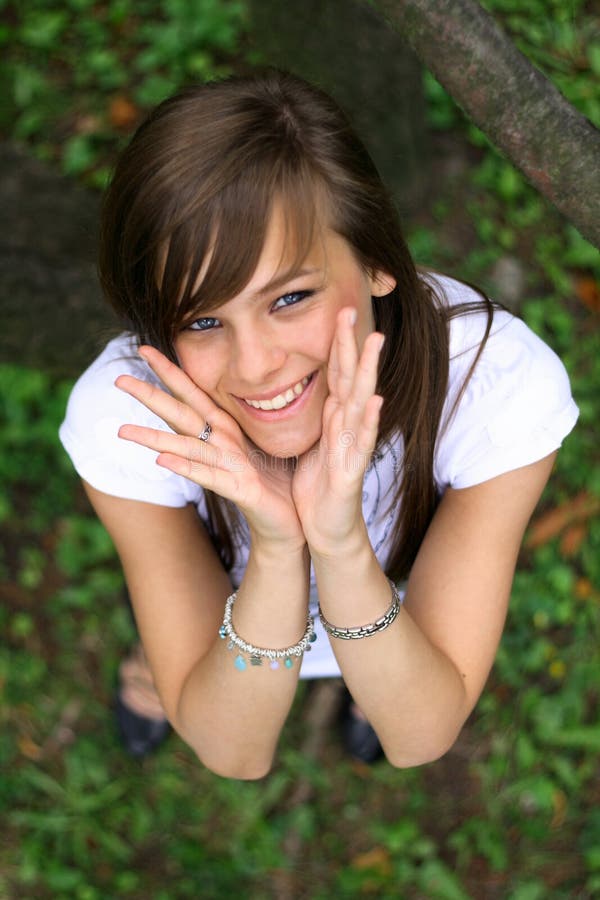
(291, 449)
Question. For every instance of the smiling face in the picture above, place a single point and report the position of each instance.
(262, 356)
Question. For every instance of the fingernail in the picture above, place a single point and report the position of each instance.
(352, 317)
(381, 341)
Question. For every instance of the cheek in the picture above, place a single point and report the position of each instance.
(198, 364)
(356, 292)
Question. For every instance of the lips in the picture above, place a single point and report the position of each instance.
(280, 401)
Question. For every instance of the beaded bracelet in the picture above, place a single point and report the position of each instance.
(257, 654)
(362, 631)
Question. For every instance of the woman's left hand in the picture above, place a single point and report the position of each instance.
(327, 484)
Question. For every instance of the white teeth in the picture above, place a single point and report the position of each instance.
(281, 400)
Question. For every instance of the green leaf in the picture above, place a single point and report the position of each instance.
(42, 30)
(438, 882)
(593, 55)
(579, 252)
(581, 738)
(79, 154)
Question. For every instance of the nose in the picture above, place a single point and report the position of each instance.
(257, 355)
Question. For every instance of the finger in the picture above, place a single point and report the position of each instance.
(179, 416)
(365, 381)
(176, 380)
(333, 421)
(168, 442)
(346, 351)
(369, 427)
(333, 368)
(227, 482)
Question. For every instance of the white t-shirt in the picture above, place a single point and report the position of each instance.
(517, 408)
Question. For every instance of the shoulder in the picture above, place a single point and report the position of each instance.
(516, 406)
(89, 432)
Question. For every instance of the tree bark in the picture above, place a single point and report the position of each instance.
(525, 116)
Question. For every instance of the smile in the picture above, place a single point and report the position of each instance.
(280, 401)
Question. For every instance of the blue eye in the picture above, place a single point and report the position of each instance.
(291, 299)
(206, 323)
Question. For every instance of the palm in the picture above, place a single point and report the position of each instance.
(262, 489)
(227, 463)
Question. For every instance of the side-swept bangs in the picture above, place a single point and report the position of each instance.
(213, 254)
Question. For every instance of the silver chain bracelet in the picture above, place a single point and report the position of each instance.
(362, 631)
(257, 654)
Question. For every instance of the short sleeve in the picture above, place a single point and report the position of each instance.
(89, 433)
(517, 407)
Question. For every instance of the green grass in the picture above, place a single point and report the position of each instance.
(77, 75)
(512, 811)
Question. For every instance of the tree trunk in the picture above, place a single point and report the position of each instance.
(524, 115)
(346, 48)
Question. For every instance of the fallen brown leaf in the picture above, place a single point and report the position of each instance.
(378, 858)
(560, 804)
(583, 588)
(29, 748)
(550, 524)
(572, 538)
(588, 291)
(122, 113)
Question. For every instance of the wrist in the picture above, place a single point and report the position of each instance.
(353, 592)
(275, 552)
(276, 557)
(347, 549)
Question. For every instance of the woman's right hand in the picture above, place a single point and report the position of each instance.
(227, 463)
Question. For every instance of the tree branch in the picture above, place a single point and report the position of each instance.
(524, 115)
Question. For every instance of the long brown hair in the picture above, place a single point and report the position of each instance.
(200, 177)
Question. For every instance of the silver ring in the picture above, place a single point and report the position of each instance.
(204, 435)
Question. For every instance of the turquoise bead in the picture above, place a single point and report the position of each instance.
(222, 632)
(240, 663)
(289, 663)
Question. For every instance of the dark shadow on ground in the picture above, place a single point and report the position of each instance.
(53, 316)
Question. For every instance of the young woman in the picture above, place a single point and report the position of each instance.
(293, 424)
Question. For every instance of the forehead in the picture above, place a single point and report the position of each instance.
(290, 245)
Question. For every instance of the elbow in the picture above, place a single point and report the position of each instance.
(219, 756)
(430, 739)
(427, 751)
(233, 768)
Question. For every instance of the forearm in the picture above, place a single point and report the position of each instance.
(233, 718)
(409, 690)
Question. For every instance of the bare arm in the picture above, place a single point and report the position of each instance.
(418, 681)
(178, 588)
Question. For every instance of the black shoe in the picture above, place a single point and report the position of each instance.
(359, 738)
(139, 734)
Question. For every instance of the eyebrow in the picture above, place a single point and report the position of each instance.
(274, 284)
(284, 278)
